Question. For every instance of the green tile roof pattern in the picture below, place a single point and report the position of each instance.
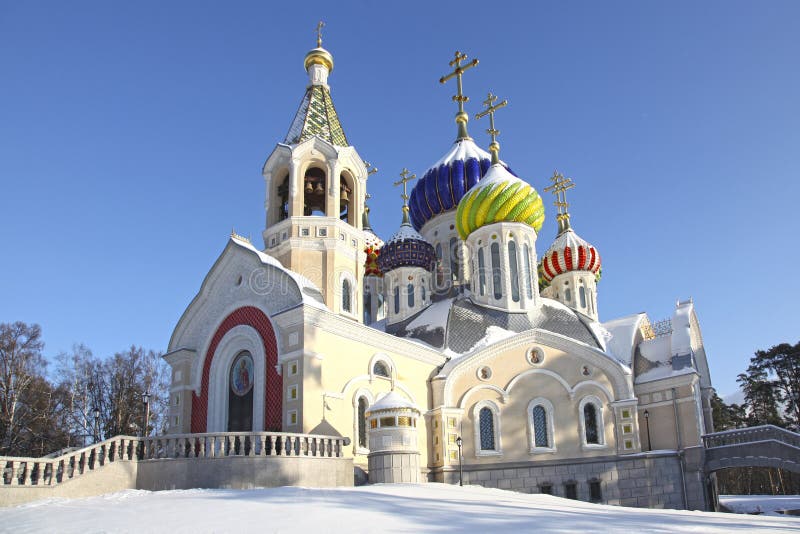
(316, 116)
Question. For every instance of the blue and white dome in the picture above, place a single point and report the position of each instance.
(448, 180)
(406, 248)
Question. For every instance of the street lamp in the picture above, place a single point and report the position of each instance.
(647, 424)
(146, 401)
(460, 442)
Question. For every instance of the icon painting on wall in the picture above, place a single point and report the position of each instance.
(242, 374)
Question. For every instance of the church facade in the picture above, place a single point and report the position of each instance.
(500, 370)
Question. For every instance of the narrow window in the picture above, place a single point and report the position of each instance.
(571, 490)
(439, 251)
(454, 258)
(346, 297)
(590, 424)
(540, 432)
(595, 492)
(487, 429)
(396, 299)
(424, 293)
(367, 307)
(362, 422)
(582, 295)
(526, 258)
(497, 278)
(568, 295)
(481, 272)
(410, 290)
(512, 264)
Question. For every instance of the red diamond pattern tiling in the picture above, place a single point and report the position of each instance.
(273, 396)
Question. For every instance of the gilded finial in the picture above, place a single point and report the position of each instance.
(371, 169)
(491, 107)
(559, 189)
(320, 25)
(458, 70)
(405, 177)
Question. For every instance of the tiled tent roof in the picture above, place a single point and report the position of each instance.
(316, 116)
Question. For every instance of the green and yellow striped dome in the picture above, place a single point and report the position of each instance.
(499, 197)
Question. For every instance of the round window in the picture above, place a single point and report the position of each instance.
(535, 356)
(485, 373)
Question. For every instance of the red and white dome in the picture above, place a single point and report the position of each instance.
(569, 252)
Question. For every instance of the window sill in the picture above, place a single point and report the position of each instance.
(480, 454)
(542, 450)
(594, 446)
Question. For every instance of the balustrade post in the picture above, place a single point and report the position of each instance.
(271, 439)
(35, 473)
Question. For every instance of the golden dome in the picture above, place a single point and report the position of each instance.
(319, 56)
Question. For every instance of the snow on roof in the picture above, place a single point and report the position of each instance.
(392, 401)
(662, 371)
(311, 294)
(622, 338)
(405, 232)
(434, 316)
(681, 329)
(660, 362)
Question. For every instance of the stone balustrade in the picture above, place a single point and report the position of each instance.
(743, 436)
(21, 471)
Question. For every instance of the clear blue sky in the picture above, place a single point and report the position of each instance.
(132, 136)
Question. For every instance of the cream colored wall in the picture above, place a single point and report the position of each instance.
(659, 402)
(533, 381)
(336, 369)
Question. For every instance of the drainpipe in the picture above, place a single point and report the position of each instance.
(679, 441)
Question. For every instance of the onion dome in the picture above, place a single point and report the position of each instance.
(319, 56)
(445, 183)
(499, 197)
(406, 248)
(372, 246)
(569, 252)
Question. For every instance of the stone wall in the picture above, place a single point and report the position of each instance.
(387, 467)
(650, 480)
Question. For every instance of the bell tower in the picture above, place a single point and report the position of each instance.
(315, 192)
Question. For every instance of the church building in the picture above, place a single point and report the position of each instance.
(458, 349)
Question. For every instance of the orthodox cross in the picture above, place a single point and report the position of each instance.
(320, 25)
(559, 189)
(491, 107)
(458, 71)
(404, 179)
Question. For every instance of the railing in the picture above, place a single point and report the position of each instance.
(742, 436)
(21, 471)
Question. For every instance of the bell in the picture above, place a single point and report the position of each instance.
(345, 196)
(309, 188)
(319, 190)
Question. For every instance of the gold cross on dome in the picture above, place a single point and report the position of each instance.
(405, 177)
(559, 189)
(320, 25)
(458, 71)
(491, 107)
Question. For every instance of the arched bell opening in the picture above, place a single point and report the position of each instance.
(346, 199)
(240, 393)
(282, 209)
(314, 183)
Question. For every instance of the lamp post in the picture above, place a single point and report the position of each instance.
(460, 442)
(146, 401)
(647, 424)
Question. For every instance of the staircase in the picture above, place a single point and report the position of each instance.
(759, 446)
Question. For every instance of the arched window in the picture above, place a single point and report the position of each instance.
(346, 296)
(380, 369)
(424, 293)
(363, 404)
(396, 299)
(512, 264)
(526, 259)
(568, 295)
(453, 258)
(439, 251)
(582, 294)
(367, 307)
(346, 199)
(497, 276)
(410, 290)
(591, 413)
(540, 432)
(481, 272)
(487, 429)
(283, 199)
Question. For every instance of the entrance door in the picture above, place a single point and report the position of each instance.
(240, 394)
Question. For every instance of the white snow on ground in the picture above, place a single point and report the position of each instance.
(378, 508)
(767, 504)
